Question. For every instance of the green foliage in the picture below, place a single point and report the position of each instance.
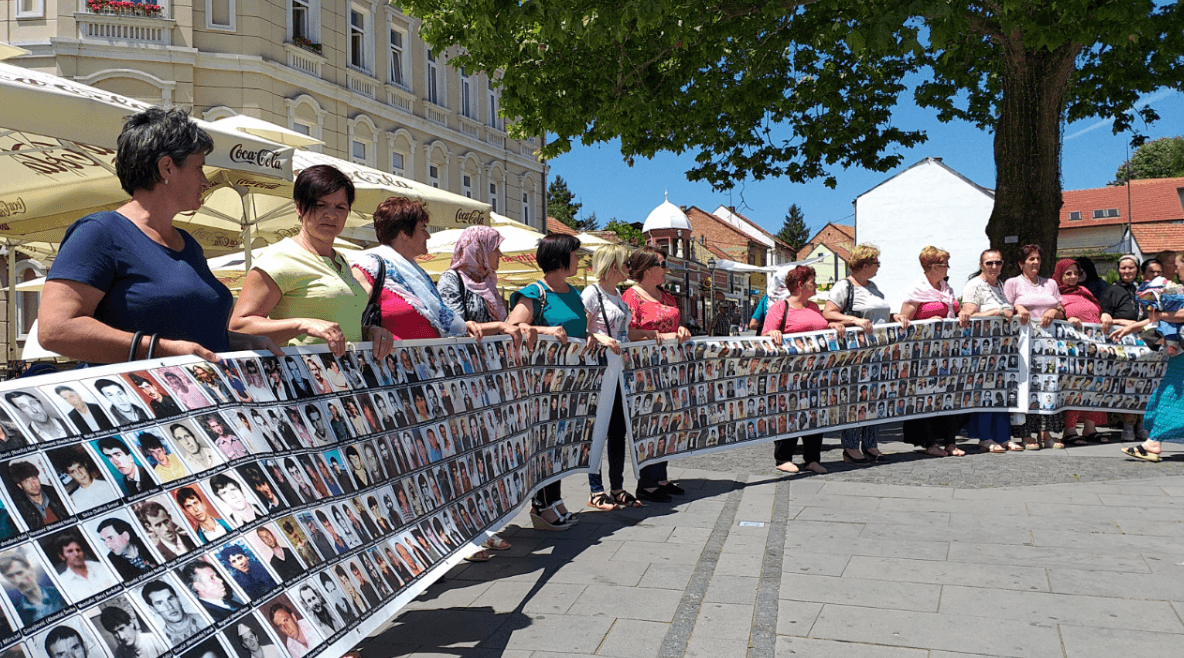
(588, 223)
(561, 203)
(627, 232)
(793, 231)
(1162, 158)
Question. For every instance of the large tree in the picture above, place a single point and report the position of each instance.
(796, 88)
(562, 204)
(793, 230)
(1160, 158)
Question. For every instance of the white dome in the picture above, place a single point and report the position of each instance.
(666, 215)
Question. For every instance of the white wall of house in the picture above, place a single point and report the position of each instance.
(926, 204)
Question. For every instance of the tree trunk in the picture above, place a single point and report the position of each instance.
(1028, 150)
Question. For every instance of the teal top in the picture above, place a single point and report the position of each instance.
(563, 309)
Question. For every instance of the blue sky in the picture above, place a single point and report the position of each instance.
(607, 186)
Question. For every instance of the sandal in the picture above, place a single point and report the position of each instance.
(936, 451)
(601, 501)
(496, 543)
(994, 448)
(479, 556)
(625, 499)
(955, 452)
(1054, 444)
(1092, 436)
(1032, 445)
(1139, 452)
(1012, 446)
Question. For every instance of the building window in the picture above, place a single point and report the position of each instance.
(434, 175)
(302, 128)
(397, 59)
(467, 185)
(358, 151)
(357, 39)
(494, 120)
(30, 8)
(1075, 216)
(466, 95)
(433, 69)
(27, 302)
(304, 16)
(526, 207)
(397, 166)
(220, 14)
(493, 196)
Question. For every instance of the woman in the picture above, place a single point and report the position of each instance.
(469, 285)
(857, 302)
(655, 312)
(1089, 277)
(1163, 419)
(411, 306)
(1034, 296)
(609, 323)
(794, 315)
(130, 270)
(932, 297)
(300, 290)
(1127, 315)
(983, 298)
(555, 309)
(1080, 306)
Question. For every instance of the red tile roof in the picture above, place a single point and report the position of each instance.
(1151, 200)
(849, 231)
(1157, 237)
(556, 226)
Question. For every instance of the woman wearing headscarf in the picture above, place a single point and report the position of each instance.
(411, 306)
(1080, 305)
(469, 289)
(932, 297)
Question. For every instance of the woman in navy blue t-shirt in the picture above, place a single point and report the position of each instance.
(129, 270)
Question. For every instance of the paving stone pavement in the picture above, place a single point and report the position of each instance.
(1073, 553)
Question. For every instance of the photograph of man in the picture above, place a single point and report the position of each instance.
(160, 457)
(11, 436)
(33, 594)
(162, 404)
(125, 632)
(41, 420)
(343, 526)
(341, 604)
(86, 415)
(79, 572)
(176, 614)
(298, 635)
(339, 472)
(246, 570)
(329, 547)
(255, 478)
(279, 477)
(239, 506)
(86, 485)
(299, 541)
(249, 639)
(214, 594)
(70, 639)
(363, 585)
(182, 387)
(202, 516)
(340, 544)
(359, 513)
(224, 440)
(168, 537)
(122, 408)
(355, 597)
(131, 477)
(193, 447)
(356, 467)
(298, 481)
(268, 546)
(319, 610)
(32, 492)
(318, 426)
(125, 550)
(211, 383)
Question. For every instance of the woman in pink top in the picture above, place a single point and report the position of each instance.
(1034, 296)
(1080, 306)
(655, 312)
(932, 297)
(794, 315)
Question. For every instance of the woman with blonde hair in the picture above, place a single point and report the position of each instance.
(932, 297)
(856, 302)
(609, 323)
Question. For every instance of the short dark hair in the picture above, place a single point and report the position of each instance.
(554, 252)
(398, 215)
(154, 587)
(1148, 263)
(1027, 250)
(22, 470)
(149, 441)
(114, 618)
(278, 607)
(118, 525)
(221, 481)
(318, 181)
(642, 260)
(797, 277)
(232, 550)
(59, 633)
(185, 494)
(64, 541)
(138, 380)
(107, 383)
(188, 574)
(112, 443)
(151, 135)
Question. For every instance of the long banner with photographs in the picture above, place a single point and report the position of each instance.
(264, 506)
(713, 394)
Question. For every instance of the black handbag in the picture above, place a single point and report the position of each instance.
(372, 314)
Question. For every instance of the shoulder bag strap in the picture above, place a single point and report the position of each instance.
(849, 305)
(538, 311)
(603, 314)
(379, 279)
(785, 317)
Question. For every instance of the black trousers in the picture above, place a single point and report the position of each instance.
(811, 449)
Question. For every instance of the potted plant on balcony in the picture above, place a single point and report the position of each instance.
(306, 44)
(99, 6)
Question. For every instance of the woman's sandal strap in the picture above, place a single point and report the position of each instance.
(625, 499)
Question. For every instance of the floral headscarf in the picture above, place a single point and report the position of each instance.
(470, 259)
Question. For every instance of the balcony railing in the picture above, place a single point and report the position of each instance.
(361, 83)
(124, 29)
(437, 114)
(304, 60)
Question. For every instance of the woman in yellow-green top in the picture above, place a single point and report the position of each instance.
(301, 290)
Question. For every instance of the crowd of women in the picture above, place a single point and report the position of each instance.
(129, 281)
